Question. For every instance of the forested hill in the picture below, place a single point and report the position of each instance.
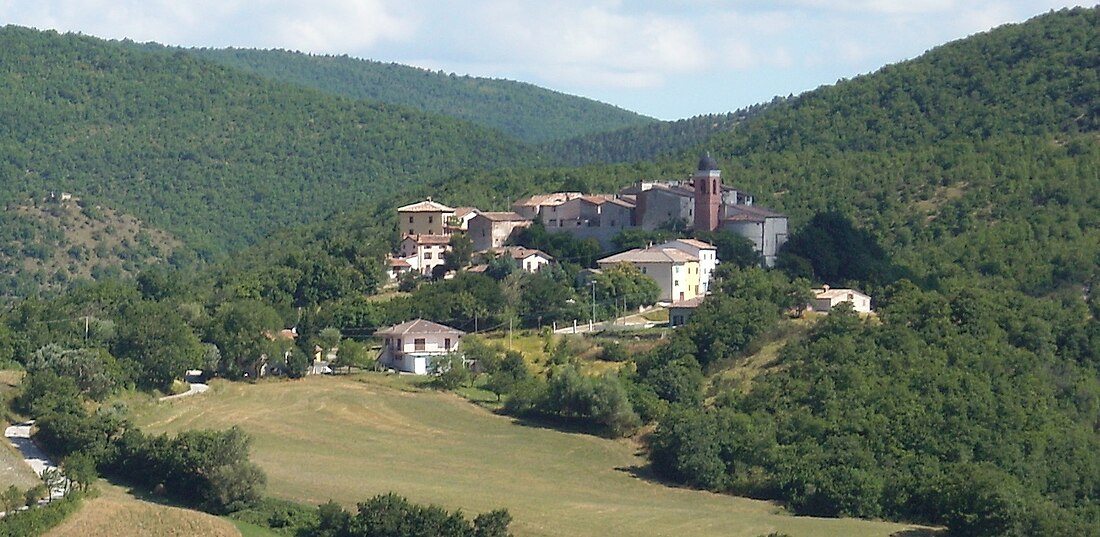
(648, 142)
(215, 156)
(523, 111)
(979, 157)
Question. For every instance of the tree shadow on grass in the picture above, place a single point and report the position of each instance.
(920, 532)
(646, 473)
(563, 425)
(144, 494)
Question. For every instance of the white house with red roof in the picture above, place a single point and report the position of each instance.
(529, 259)
(424, 252)
(827, 298)
(414, 346)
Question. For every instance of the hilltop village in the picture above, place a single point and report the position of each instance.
(681, 268)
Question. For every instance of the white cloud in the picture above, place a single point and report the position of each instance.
(338, 26)
(579, 42)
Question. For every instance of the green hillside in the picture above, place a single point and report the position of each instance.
(648, 142)
(972, 400)
(520, 110)
(50, 244)
(214, 156)
(979, 157)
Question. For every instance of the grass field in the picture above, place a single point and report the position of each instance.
(115, 512)
(351, 438)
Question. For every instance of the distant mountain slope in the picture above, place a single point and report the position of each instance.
(524, 111)
(648, 142)
(212, 155)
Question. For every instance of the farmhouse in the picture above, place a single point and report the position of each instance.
(414, 346)
(826, 298)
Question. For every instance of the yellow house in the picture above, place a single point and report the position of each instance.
(424, 218)
(676, 272)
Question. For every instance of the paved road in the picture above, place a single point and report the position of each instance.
(194, 388)
(20, 437)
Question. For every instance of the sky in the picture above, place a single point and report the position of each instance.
(661, 58)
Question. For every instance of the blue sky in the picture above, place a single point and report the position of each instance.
(664, 59)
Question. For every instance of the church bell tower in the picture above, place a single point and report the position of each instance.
(708, 194)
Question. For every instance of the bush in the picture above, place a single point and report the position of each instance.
(38, 520)
(279, 514)
(613, 351)
(390, 514)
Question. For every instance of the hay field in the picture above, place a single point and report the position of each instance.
(115, 512)
(348, 439)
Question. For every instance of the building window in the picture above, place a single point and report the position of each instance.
(410, 231)
(427, 255)
(447, 343)
(418, 344)
(676, 283)
(410, 219)
(431, 219)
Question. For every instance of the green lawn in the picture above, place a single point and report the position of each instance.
(252, 530)
(351, 438)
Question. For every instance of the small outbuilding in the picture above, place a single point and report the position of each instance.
(680, 312)
(826, 298)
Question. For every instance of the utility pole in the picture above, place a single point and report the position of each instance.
(593, 302)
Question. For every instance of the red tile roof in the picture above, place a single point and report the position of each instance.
(418, 326)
